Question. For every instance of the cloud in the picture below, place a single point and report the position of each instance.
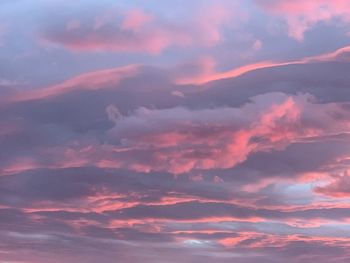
(339, 187)
(185, 141)
(135, 20)
(137, 31)
(87, 81)
(203, 70)
(228, 156)
(301, 16)
(176, 139)
(180, 140)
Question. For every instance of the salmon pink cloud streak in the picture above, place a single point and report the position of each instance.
(208, 73)
(87, 81)
(174, 131)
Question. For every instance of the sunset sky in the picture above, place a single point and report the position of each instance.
(174, 131)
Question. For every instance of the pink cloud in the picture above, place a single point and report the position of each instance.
(339, 187)
(303, 15)
(118, 32)
(209, 22)
(126, 163)
(198, 72)
(256, 240)
(205, 67)
(179, 140)
(89, 81)
(136, 19)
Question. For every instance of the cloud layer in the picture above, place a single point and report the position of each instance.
(183, 131)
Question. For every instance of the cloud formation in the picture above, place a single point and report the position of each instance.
(139, 31)
(155, 131)
(301, 16)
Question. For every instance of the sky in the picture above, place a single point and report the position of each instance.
(192, 131)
